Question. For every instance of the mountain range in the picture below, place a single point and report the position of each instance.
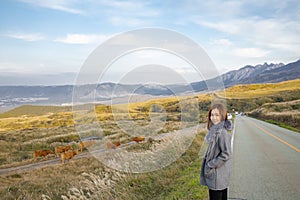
(12, 96)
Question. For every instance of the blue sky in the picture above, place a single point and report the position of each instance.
(40, 37)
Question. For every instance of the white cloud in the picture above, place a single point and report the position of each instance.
(126, 21)
(123, 5)
(133, 7)
(272, 25)
(128, 13)
(10, 67)
(82, 39)
(31, 37)
(250, 52)
(222, 42)
(62, 5)
(220, 26)
(214, 8)
(276, 34)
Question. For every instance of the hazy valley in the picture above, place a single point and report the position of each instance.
(13, 96)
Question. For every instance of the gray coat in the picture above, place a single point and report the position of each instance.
(216, 163)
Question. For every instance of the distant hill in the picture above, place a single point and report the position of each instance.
(290, 71)
(240, 97)
(13, 96)
(265, 73)
(249, 73)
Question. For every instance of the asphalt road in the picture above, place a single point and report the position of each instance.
(266, 162)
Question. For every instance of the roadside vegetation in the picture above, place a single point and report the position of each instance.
(284, 114)
(277, 103)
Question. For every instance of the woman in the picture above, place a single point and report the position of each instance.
(216, 163)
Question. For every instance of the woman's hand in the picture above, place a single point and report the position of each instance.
(208, 171)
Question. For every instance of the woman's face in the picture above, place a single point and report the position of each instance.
(215, 116)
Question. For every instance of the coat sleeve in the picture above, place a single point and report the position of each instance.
(224, 145)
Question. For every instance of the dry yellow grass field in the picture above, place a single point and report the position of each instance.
(260, 90)
(45, 127)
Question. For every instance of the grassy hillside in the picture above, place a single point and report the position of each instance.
(244, 98)
(28, 128)
(260, 90)
(31, 111)
(285, 114)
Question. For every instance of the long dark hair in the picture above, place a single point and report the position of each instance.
(222, 110)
